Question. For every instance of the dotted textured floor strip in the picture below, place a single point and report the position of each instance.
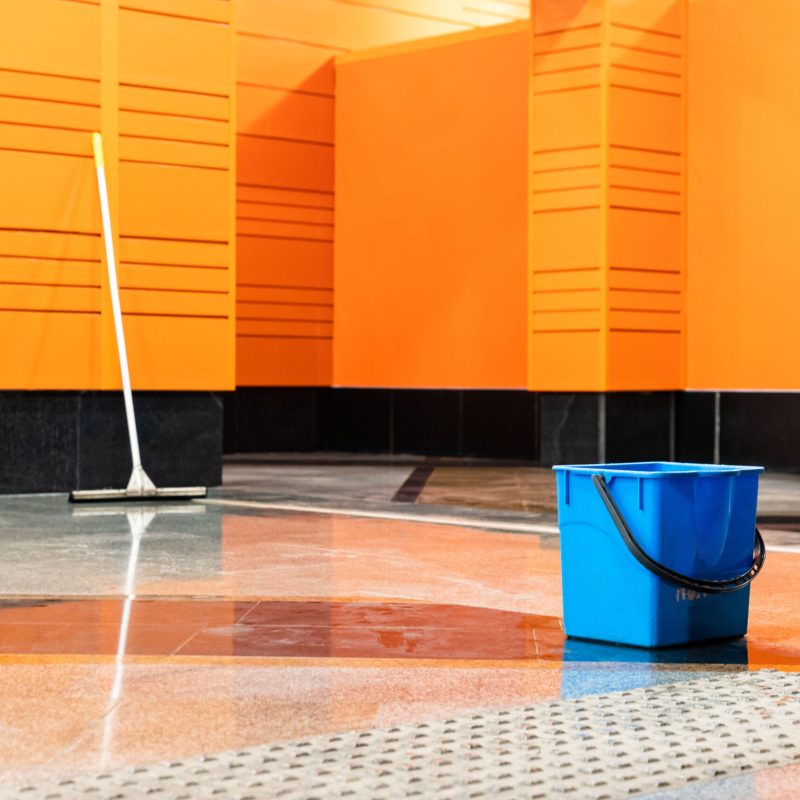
(603, 747)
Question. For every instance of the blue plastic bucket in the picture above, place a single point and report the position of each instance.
(656, 554)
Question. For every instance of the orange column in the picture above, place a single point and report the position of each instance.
(607, 230)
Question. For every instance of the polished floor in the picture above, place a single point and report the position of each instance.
(311, 597)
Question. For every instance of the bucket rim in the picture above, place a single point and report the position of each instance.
(650, 469)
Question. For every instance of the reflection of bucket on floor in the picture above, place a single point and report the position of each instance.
(596, 668)
(656, 554)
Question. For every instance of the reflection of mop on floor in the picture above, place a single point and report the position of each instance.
(140, 487)
(139, 519)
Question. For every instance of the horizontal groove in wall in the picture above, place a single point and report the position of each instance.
(178, 291)
(48, 311)
(555, 31)
(665, 53)
(560, 210)
(565, 291)
(566, 269)
(648, 71)
(48, 259)
(566, 189)
(643, 89)
(170, 164)
(254, 85)
(174, 89)
(305, 288)
(644, 189)
(282, 39)
(294, 140)
(644, 330)
(573, 49)
(165, 264)
(148, 137)
(140, 237)
(654, 31)
(562, 70)
(50, 75)
(647, 269)
(568, 89)
(565, 169)
(51, 230)
(174, 15)
(173, 114)
(56, 100)
(288, 222)
(647, 210)
(634, 148)
(283, 238)
(286, 319)
(45, 126)
(279, 336)
(43, 153)
(566, 149)
(50, 284)
(566, 310)
(648, 310)
(646, 291)
(286, 205)
(173, 316)
(569, 330)
(283, 303)
(674, 172)
(285, 188)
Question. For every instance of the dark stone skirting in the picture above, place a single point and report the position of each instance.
(59, 441)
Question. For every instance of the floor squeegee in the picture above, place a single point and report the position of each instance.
(140, 487)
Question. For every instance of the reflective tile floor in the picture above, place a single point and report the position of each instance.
(311, 597)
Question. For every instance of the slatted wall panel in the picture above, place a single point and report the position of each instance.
(49, 217)
(176, 200)
(646, 200)
(566, 322)
(164, 106)
(285, 200)
(607, 200)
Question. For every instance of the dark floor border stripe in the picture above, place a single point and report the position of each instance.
(412, 488)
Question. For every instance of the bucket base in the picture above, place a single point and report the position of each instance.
(611, 648)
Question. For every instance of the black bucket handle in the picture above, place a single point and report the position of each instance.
(684, 581)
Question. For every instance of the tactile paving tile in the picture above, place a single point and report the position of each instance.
(609, 746)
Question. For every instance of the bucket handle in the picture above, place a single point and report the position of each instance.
(684, 581)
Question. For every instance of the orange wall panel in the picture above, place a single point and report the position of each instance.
(743, 237)
(607, 196)
(285, 122)
(164, 104)
(49, 349)
(431, 228)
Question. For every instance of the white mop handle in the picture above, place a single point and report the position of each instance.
(99, 162)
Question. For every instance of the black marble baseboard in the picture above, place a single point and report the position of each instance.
(590, 427)
(488, 424)
(760, 428)
(548, 428)
(59, 441)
